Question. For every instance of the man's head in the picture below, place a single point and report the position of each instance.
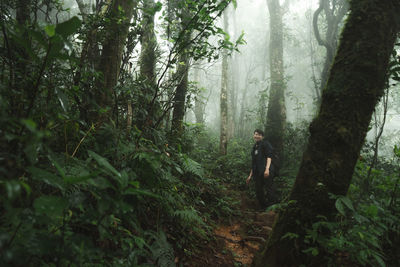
(258, 135)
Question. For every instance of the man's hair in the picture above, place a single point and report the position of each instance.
(260, 132)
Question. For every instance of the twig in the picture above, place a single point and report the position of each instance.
(80, 142)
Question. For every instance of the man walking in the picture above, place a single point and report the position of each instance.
(262, 170)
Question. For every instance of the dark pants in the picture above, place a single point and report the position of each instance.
(265, 190)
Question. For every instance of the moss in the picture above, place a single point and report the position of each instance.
(355, 84)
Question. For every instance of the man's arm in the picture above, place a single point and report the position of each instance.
(266, 172)
(268, 156)
(249, 178)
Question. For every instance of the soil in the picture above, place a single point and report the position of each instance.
(237, 242)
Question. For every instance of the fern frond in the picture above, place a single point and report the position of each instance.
(162, 251)
(193, 167)
(188, 217)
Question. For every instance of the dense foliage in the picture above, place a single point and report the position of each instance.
(78, 186)
(86, 184)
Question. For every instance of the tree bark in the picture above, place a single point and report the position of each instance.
(223, 143)
(276, 116)
(111, 56)
(199, 104)
(182, 78)
(180, 94)
(149, 43)
(356, 83)
(330, 41)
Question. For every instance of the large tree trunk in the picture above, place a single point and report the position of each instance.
(276, 116)
(182, 77)
(111, 57)
(356, 83)
(223, 143)
(147, 64)
(180, 94)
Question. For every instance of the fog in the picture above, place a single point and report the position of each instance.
(303, 58)
(249, 70)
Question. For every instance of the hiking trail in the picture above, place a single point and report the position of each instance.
(238, 241)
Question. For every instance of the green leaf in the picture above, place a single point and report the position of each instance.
(13, 189)
(339, 206)
(68, 27)
(396, 151)
(104, 163)
(135, 184)
(234, 2)
(50, 30)
(62, 98)
(51, 206)
(78, 179)
(26, 187)
(290, 235)
(372, 210)
(379, 259)
(30, 124)
(52, 157)
(46, 177)
(347, 202)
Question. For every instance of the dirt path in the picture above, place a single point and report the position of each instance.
(244, 237)
(237, 242)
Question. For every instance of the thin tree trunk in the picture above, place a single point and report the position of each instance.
(276, 116)
(199, 100)
(232, 94)
(223, 143)
(330, 41)
(355, 85)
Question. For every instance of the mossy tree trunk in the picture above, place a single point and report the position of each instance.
(355, 85)
(149, 43)
(120, 15)
(147, 63)
(276, 115)
(180, 94)
(182, 76)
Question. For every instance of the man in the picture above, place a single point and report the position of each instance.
(262, 170)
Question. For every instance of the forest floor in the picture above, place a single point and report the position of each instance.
(237, 241)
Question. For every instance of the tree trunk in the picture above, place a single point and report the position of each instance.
(149, 43)
(199, 99)
(223, 143)
(180, 94)
(330, 42)
(111, 57)
(182, 78)
(356, 83)
(276, 116)
(232, 94)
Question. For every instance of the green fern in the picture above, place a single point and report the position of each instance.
(188, 217)
(162, 251)
(191, 166)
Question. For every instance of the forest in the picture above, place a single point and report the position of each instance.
(128, 129)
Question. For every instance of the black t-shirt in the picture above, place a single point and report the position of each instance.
(259, 154)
